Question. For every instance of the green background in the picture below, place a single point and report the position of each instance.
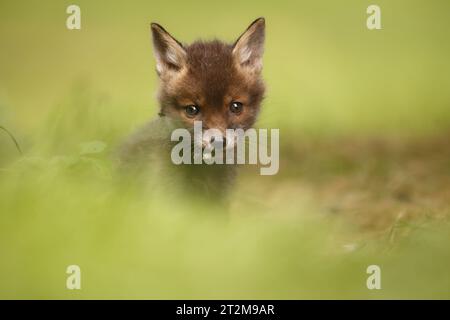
(364, 119)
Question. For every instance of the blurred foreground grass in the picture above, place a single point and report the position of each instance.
(365, 156)
(309, 234)
(337, 206)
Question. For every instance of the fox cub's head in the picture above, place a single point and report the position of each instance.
(217, 83)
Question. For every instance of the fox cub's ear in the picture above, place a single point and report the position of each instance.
(248, 49)
(169, 53)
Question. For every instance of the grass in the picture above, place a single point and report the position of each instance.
(365, 157)
(309, 232)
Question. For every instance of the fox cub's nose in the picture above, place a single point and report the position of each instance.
(222, 139)
(214, 140)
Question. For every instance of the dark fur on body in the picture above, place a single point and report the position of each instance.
(211, 76)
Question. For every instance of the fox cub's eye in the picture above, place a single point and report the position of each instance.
(192, 110)
(236, 107)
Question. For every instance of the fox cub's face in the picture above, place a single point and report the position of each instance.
(213, 82)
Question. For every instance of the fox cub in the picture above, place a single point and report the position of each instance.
(213, 82)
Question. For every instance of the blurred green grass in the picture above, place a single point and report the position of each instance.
(325, 71)
(364, 118)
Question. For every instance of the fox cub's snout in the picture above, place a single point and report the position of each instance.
(217, 83)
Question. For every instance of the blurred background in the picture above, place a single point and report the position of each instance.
(364, 118)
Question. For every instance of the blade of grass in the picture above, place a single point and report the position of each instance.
(13, 139)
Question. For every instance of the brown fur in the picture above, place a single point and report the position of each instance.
(210, 75)
(212, 81)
